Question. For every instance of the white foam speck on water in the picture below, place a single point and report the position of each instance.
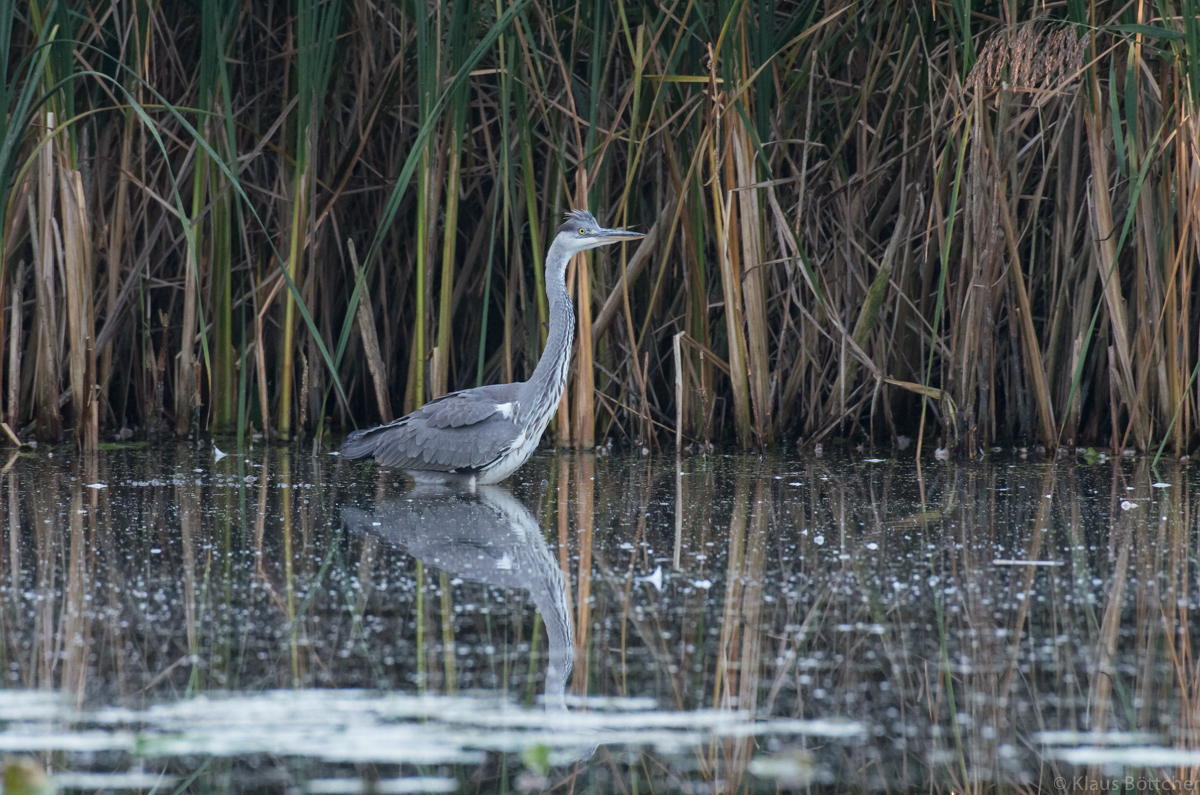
(704, 585)
(97, 486)
(611, 703)
(858, 626)
(1129, 756)
(1015, 562)
(873, 460)
(808, 728)
(23, 738)
(1126, 505)
(1160, 485)
(941, 756)
(352, 726)
(368, 742)
(389, 786)
(791, 771)
(110, 781)
(1067, 737)
(17, 705)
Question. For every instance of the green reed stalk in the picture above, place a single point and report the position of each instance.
(593, 165)
(507, 52)
(185, 378)
(316, 33)
(529, 188)
(461, 20)
(637, 45)
(224, 380)
(243, 407)
(946, 241)
(725, 237)
(428, 79)
(216, 95)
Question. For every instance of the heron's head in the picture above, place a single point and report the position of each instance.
(581, 232)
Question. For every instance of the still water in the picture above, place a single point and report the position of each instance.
(175, 621)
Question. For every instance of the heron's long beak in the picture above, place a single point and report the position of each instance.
(617, 235)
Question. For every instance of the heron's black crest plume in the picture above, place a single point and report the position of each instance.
(578, 218)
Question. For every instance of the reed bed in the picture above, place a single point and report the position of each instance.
(969, 224)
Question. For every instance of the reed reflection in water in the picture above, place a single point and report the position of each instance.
(817, 622)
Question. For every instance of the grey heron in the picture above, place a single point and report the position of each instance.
(482, 435)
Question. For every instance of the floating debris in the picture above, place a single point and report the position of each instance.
(791, 769)
(655, 579)
(24, 776)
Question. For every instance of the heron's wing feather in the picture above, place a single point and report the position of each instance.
(459, 432)
(465, 448)
(467, 407)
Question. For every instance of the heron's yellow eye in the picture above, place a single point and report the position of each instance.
(583, 231)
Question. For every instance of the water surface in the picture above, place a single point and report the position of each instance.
(277, 622)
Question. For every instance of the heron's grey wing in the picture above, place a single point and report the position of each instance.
(469, 406)
(458, 432)
(457, 531)
(464, 449)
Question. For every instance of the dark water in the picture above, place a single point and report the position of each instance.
(283, 623)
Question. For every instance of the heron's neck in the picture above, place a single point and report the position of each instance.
(545, 387)
(561, 652)
(547, 584)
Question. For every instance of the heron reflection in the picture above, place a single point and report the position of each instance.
(487, 536)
